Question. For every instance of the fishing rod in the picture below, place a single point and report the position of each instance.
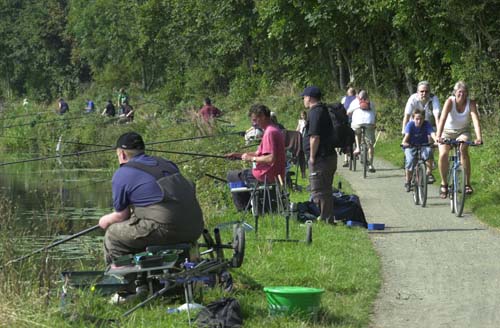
(84, 152)
(194, 138)
(58, 141)
(188, 153)
(216, 178)
(35, 122)
(78, 153)
(108, 148)
(81, 233)
(23, 115)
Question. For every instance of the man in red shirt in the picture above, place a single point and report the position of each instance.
(209, 111)
(269, 160)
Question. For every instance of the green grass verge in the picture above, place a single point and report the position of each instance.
(341, 260)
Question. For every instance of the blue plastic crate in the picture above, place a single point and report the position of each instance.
(376, 226)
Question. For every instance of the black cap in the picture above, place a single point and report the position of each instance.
(130, 140)
(311, 91)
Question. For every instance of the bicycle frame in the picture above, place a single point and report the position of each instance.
(419, 176)
(456, 176)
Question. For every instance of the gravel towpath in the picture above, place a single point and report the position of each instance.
(438, 270)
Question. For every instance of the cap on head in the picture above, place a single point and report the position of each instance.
(130, 140)
(311, 91)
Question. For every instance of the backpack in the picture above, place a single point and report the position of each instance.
(223, 313)
(307, 211)
(342, 134)
(348, 208)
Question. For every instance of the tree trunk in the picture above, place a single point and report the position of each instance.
(372, 65)
(341, 70)
(333, 67)
(409, 84)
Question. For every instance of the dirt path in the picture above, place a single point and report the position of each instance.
(438, 270)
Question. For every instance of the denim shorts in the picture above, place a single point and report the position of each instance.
(410, 156)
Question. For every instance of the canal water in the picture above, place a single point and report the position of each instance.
(50, 201)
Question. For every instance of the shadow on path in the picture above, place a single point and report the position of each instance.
(423, 230)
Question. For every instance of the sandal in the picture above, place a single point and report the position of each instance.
(443, 191)
(468, 190)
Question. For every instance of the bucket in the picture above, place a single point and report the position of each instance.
(298, 300)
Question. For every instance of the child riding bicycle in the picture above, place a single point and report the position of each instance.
(417, 132)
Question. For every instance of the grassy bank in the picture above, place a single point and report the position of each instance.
(340, 260)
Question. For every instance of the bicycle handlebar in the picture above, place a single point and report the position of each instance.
(417, 146)
(458, 142)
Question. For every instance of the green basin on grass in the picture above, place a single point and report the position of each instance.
(287, 300)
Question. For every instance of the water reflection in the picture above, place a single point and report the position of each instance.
(52, 203)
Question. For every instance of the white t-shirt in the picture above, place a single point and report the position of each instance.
(431, 108)
(361, 116)
(456, 120)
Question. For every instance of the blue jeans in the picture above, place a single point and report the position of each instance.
(410, 156)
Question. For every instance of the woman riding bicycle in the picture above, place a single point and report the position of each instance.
(417, 132)
(454, 124)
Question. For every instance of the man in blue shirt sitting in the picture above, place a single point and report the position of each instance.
(417, 132)
(153, 203)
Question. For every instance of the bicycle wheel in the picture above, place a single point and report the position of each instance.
(422, 184)
(364, 154)
(450, 190)
(459, 191)
(354, 160)
(414, 183)
(351, 159)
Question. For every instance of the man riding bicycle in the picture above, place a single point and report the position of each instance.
(363, 115)
(417, 132)
(454, 124)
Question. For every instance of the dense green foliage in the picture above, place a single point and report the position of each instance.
(52, 48)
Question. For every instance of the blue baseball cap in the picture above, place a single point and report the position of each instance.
(312, 91)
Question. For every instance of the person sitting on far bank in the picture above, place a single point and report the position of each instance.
(208, 111)
(123, 100)
(153, 203)
(417, 132)
(90, 107)
(63, 106)
(128, 114)
(363, 115)
(268, 161)
(454, 124)
(109, 110)
(320, 152)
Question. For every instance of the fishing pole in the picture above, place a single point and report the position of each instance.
(81, 233)
(216, 178)
(78, 153)
(194, 138)
(58, 141)
(84, 152)
(23, 115)
(188, 153)
(35, 122)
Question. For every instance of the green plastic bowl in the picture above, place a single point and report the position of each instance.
(293, 300)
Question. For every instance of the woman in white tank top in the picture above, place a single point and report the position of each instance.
(454, 123)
